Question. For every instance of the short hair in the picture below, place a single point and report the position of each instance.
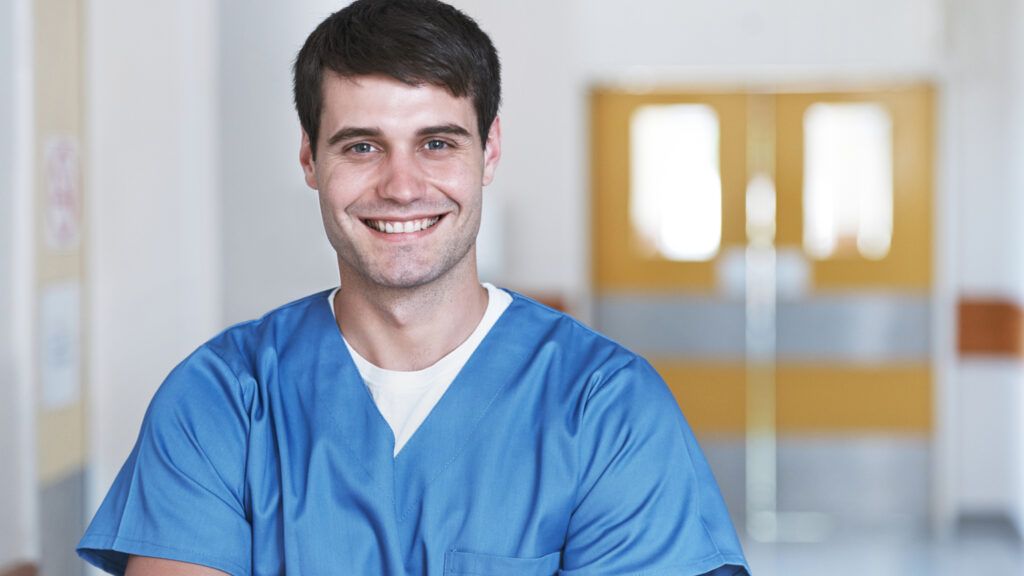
(413, 41)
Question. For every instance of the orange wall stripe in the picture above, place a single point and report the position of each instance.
(20, 570)
(990, 328)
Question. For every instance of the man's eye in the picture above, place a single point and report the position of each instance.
(362, 148)
(436, 145)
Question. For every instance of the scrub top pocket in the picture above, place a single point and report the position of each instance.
(470, 564)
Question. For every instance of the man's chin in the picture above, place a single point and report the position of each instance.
(405, 279)
(408, 271)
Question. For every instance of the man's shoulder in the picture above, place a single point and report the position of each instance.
(549, 318)
(244, 341)
(555, 329)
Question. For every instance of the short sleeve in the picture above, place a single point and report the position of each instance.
(647, 502)
(179, 495)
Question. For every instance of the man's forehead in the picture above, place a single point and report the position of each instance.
(336, 81)
(386, 100)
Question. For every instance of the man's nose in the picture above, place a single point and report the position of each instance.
(402, 179)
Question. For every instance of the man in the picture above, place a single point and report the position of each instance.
(412, 421)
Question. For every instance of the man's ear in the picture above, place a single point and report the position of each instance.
(492, 150)
(307, 162)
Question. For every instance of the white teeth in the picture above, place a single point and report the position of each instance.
(408, 226)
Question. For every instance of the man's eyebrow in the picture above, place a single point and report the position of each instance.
(448, 129)
(350, 133)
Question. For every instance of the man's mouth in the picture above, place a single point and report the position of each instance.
(402, 226)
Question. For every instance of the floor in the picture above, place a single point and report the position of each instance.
(980, 548)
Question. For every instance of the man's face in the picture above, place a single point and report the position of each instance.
(400, 171)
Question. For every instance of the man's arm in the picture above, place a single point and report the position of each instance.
(648, 502)
(180, 494)
(146, 566)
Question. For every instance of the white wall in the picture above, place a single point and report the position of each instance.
(18, 502)
(740, 40)
(271, 234)
(539, 193)
(988, 472)
(1017, 192)
(153, 250)
(984, 143)
(981, 66)
(8, 410)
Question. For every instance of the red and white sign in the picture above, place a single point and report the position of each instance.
(63, 195)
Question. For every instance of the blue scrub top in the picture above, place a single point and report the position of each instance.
(554, 451)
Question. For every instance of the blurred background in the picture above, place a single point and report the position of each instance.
(808, 214)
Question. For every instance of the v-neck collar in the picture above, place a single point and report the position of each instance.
(452, 423)
(445, 431)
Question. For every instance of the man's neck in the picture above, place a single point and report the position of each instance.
(410, 328)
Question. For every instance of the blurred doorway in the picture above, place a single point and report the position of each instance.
(771, 253)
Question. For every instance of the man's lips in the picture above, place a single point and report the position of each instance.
(395, 226)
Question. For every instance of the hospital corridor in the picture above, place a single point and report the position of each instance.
(807, 215)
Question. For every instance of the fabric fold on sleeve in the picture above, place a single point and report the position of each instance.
(648, 503)
(180, 494)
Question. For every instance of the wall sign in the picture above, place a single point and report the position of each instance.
(60, 345)
(63, 194)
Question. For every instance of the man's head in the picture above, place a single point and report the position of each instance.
(398, 101)
(413, 41)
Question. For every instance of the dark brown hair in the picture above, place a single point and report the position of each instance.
(413, 41)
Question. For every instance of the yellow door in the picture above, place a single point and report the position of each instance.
(851, 176)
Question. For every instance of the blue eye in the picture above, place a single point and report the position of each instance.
(362, 148)
(436, 145)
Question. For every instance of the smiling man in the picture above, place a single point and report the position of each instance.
(410, 421)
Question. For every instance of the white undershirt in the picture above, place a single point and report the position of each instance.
(405, 399)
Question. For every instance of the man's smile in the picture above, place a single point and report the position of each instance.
(402, 226)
